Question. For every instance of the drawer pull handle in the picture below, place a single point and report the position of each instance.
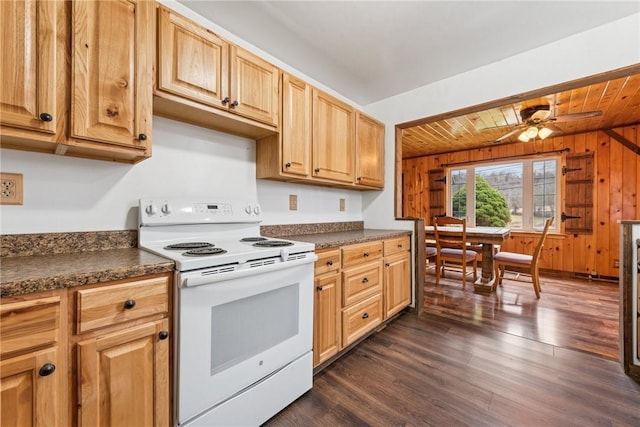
(129, 304)
(400, 246)
(142, 137)
(46, 117)
(329, 263)
(365, 280)
(287, 165)
(47, 369)
(366, 254)
(319, 288)
(387, 265)
(163, 335)
(365, 316)
(226, 100)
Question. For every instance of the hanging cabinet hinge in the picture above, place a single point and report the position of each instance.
(443, 180)
(566, 169)
(565, 217)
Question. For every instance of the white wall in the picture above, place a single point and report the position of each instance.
(64, 194)
(600, 49)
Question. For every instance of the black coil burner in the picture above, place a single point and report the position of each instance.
(272, 244)
(189, 245)
(253, 239)
(205, 251)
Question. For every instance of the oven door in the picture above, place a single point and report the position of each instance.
(233, 333)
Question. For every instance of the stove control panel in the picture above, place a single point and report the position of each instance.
(197, 211)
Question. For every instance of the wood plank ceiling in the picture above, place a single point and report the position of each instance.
(617, 98)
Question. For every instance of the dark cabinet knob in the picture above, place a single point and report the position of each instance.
(287, 165)
(47, 369)
(365, 316)
(317, 170)
(359, 178)
(319, 288)
(46, 117)
(163, 335)
(329, 263)
(387, 265)
(366, 254)
(142, 137)
(129, 304)
(226, 100)
(365, 280)
(234, 104)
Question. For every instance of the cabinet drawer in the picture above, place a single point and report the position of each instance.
(357, 254)
(328, 261)
(360, 282)
(26, 325)
(114, 304)
(400, 244)
(361, 318)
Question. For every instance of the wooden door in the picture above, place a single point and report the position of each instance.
(296, 126)
(253, 86)
(111, 81)
(124, 377)
(333, 138)
(578, 206)
(30, 391)
(437, 195)
(326, 319)
(397, 283)
(369, 151)
(192, 61)
(28, 66)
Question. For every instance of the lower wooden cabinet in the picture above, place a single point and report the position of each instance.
(87, 356)
(31, 390)
(124, 377)
(357, 287)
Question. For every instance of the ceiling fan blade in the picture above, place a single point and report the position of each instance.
(555, 129)
(507, 135)
(576, 116)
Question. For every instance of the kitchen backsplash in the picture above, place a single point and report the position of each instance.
(323, 227)
(58, 243)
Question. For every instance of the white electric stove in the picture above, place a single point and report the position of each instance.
(243, 309)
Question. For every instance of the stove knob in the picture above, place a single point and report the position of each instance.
(151, 209)
(165, 209)
(248, 209)
(256, 210)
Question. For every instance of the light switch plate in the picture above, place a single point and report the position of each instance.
(293, 202)
(342, 205)
(10, 188)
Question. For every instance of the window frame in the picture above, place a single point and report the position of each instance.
(527, 187)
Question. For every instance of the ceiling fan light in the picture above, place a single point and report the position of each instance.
(544, 132)
(523, 137)
(532, 132)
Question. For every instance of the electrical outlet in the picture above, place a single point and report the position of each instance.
(342, 205)
(293, 202)
(10, 188)
(616, 263)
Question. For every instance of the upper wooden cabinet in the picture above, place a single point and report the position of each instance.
(95, 103)
(30, 89)
(369, 151)
(111, 79)
(322, 141)
(200, 74)
(333, 138)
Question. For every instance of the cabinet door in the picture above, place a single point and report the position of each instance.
(192, 61)
(30, 392)
(397, 283)
(254, 86)
(333, 138)
(326, 318)
(124, 377)
(28, 65)
(369, 151)
(296, 126)
(111, 81)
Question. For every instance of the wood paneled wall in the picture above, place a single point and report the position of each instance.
(617, 182)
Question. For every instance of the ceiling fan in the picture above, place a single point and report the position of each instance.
(538, 122)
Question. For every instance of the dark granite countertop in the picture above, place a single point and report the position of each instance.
(26, 274)
(343, 238)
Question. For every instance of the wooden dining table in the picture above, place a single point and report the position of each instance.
(488, 237)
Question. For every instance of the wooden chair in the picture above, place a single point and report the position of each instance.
(513, 259)
(430, 253)
(451, 246)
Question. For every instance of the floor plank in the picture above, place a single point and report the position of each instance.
(504, 359)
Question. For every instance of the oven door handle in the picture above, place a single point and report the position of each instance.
(189, 280)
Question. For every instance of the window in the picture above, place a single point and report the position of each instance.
(518, 194)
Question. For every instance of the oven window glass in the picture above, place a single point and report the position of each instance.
(246, 327)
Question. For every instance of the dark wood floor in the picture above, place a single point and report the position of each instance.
(477, 360)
